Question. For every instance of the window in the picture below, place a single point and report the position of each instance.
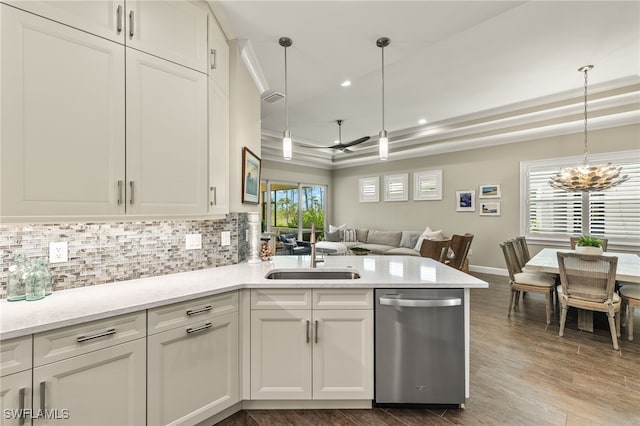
(552, 214)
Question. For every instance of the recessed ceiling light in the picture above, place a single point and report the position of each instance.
(345, 83)
(422, 121)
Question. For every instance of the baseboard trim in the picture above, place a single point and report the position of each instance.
(303, 404)
(488, 270)
(217, 418)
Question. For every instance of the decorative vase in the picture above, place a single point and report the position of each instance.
(595, 251)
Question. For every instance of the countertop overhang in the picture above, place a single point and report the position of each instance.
(75, 306)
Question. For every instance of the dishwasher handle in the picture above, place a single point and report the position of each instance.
(421, 303)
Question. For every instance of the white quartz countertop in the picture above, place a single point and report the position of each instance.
(78, 305)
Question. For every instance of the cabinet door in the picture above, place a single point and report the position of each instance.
(104, 18)
(166, 137)
(218, 56)
(15, 394)
(105, 387)
(218, 151)
(62, 119)
(343, 354)
(193, 371)
(280, 354)
(173, 30)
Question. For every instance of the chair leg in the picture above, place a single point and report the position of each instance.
(618, 324)
(612, 327)
(630, 315)
(547, 297)
(563, 319)
(511, 299)
(516, 300)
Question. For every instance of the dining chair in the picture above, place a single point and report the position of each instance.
(522, 251)
(574, 242)
(588, 282)
(435, 249)
(460, 245)
(535, 282)
(630, 294)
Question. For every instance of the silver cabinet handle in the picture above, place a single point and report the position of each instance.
(120, 192)
(215, 196)
(315, 337)
(21, 394)
(199, 311)
(43, 388)
(421, 303)
(201, 328)
(119, 19)
(308, 331)
(131, 19)
(131, 190)
(109, 332)
(214, 61)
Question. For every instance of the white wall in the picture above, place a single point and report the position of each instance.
(244, 125)
(466, 170)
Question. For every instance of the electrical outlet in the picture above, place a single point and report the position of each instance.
(193, 241)
(225, 238)
(58, 252)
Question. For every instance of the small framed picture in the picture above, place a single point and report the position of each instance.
(490, 208)
(489, 191)
(466, 201)
(250, 177)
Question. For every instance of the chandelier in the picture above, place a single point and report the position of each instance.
(586, 178)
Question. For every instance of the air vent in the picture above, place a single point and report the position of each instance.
(272, 97)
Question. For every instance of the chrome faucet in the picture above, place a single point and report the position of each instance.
(312, 241)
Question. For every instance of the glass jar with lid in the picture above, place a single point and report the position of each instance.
(35, 282)
(16, 279)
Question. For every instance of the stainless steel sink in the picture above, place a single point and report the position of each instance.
(312, 274)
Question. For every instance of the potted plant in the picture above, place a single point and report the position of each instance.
(589, 245)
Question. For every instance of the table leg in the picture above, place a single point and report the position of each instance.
(585, 320)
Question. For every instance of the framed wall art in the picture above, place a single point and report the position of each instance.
(395, 187)
(369, 189)
(427, 185)
(490, 208)
(250, 177)
(466, 201)
(489, 191)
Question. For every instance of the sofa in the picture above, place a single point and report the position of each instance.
(340, 240)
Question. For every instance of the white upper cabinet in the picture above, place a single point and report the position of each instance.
(173, 30)
(62, 103)
(166, 137)
(104, 18)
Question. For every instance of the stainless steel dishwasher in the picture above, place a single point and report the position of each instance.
(419, 346)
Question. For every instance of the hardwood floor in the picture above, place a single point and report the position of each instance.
(521, 374)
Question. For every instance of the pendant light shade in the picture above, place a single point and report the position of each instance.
(586, 178)
(287, 144)
(383, 140)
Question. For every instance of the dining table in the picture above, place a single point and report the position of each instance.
(627, 273)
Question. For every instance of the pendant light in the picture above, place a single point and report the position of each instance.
(383, 140)
(586, 178)
(287, 144)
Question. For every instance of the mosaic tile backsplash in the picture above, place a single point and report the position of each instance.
(104, 252)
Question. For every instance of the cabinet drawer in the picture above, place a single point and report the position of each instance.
(71, 341)
(15, 355)
(185, 313)
(343, 298)
(285, 298)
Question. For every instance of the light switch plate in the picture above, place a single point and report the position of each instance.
(225, 238)
(193, 241)
(58, 252)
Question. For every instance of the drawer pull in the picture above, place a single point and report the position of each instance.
(201, 328)
(308, 336)
(214, 61)
(43, 389)
(109, 332)
(131, 19)
(120, 188)
(207, 308)
(22, 414)
(316, 331)
(119, 19)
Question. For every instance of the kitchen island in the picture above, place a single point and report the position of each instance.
(231, 316)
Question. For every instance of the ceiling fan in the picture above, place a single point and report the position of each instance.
(342, 147)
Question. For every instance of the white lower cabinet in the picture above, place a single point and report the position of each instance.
(15, 398)
(104, 387)
(192, 370)
(315, 353)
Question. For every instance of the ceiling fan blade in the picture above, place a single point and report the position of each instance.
(356, 142)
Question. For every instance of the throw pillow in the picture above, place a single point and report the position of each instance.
(349, 235)
(339, 229)
(409, 239)
(292, 242)
(333, 237)
(429, 234)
